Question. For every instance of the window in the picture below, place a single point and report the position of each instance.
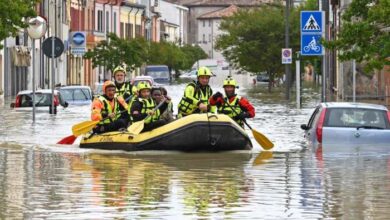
(204, 23)
(209, 23)
(100, 21)
(204, 38)
(114, 24)
(356, 117)
(138, 30)
(107, 22)
(122, 31)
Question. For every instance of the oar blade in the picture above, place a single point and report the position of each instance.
(67, 140)
(265, 143)
(83, 127)
(136, 127)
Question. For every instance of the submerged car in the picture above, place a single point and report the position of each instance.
(76, 95)
(139, 79)
(341, 125)
(159, 73)
(192, 75)
(43, 97)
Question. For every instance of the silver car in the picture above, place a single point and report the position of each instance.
(340, 125)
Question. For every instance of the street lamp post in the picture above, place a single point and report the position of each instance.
(36, 30)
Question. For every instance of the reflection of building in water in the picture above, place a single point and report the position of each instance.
(12, 184)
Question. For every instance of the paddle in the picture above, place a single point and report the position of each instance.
(259, 137)
(138, 126)
(82, 128)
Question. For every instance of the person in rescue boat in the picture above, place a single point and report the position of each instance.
(123, 88)
(143, 106)
(105, 108)
(196, 95)
(158, 95)
(242, 107)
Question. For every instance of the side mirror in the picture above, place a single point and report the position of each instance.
(304, 127)
(12, 105)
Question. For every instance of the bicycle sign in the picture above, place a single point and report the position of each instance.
(310, 45)
(312, 29)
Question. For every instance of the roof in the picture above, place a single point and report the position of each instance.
(353, 105)
(46, 91)
(194, 3)
(226, 12)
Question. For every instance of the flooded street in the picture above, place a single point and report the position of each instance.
(42, 180)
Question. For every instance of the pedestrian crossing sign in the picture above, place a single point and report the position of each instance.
(312, 21)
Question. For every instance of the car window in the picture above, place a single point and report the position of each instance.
(76, 94)
(356, 117)
(313, 116)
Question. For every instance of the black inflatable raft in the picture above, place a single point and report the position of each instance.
(197, 132)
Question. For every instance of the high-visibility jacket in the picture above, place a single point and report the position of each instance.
(143, 107)
(102, 107)
(193, 96)
(126, 90)
(233, 110)
(238, 103)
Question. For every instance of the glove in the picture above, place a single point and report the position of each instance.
(217, 95)
(241, 116)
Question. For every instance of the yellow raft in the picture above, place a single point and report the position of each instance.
(197, 132)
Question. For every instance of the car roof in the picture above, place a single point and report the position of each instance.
(353, 105)
(75, 87)
(47, 91)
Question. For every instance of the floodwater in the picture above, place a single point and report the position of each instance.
(42, 180)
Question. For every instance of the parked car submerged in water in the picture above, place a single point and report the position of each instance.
(24, 100)
(343, 126)
(76, 95)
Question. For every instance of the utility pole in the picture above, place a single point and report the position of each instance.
(287, 70)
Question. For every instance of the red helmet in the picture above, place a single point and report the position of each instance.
(107, 84)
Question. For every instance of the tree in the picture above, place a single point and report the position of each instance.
(117, 51)
(365, 34)
(12, 16)
(253, 40)
(193, 54)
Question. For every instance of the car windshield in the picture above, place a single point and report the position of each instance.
(158, 74)
(356, 117)
(76, 94)
(41, 99)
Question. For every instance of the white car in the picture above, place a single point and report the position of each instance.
(24, 100)
(189, 75)
(76, 95)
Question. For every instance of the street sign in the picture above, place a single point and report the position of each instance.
(312, 29)
(286, 56)
(78, 43)
(47, 47)
(312, 22)
(310, 45)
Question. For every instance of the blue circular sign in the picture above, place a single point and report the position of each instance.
(78, 38)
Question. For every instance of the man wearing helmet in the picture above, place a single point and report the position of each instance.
(236, 107)
(105, 109)
(123, 88)
(143, 106)
(196, 95)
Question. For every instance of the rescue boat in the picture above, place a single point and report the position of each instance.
(197, 132)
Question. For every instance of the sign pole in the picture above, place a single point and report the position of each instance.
(36, 29)
(33, 77)
(52, 75)
(298, 80)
